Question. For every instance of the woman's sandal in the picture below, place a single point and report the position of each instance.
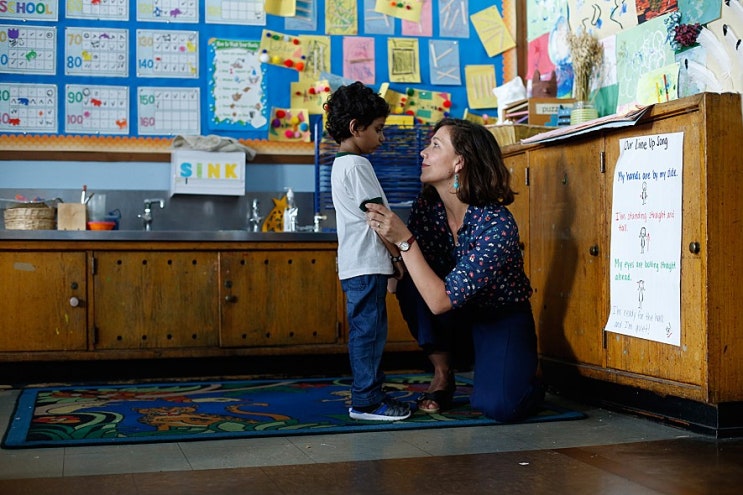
(441, 399)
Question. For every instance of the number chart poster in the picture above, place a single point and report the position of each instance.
(645, 274)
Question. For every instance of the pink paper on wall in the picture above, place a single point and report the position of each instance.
(538, 57)
(358, 59)
(424, 26)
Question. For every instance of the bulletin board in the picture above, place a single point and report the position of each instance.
(101, 74)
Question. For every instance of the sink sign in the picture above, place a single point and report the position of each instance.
(205, 172)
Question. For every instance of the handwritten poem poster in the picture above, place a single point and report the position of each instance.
(645, 274)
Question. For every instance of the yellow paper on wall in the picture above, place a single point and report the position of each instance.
(282, 49)
(404, 60)
(394, 99)
(492, 31)
(316, 50)
(310, 95)
(283, 8)
(480, 81)
(341, 17)
(658, 85)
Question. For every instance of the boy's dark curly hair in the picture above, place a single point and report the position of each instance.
(354, 101)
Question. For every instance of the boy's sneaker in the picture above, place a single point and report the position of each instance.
(387, 410)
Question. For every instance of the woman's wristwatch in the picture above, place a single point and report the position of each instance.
(405, 245)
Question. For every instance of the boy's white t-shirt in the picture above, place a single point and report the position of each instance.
(360, 250)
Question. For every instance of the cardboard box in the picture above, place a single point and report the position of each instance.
(71, 216)
(536, 111)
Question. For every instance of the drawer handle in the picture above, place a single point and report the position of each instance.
(230, 298)
(593, 250)
(695, 247)
(74, 302)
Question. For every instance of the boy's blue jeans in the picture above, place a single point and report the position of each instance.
(367, 320)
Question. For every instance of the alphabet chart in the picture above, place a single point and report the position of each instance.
(167, 53)
(96, 52)
(114, 10)
(28, 108)
(168, 10)
(168, 111)
(250, 12)
(28, 49)
(96, 109)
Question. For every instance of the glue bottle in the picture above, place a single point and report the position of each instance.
(290, 212)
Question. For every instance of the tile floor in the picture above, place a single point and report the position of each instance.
(608, 452)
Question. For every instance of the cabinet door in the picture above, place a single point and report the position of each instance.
(43, 301)
(279, 298)
(517, 165)
(568, 250)
(686, 363)
(146, 300)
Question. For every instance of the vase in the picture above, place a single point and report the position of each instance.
(583, 111)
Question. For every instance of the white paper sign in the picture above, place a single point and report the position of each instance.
(645, 288)
(206, 172)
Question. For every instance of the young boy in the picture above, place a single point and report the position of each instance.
(355, 120)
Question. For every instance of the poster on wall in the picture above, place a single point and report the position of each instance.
(645, 257)
(237, 97)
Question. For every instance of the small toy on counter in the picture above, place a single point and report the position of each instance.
(275, 219)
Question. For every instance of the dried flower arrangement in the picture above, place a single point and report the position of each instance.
(587, 54)
(681, 36)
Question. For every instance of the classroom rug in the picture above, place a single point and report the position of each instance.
(65, 416)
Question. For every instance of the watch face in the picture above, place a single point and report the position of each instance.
(404, 246)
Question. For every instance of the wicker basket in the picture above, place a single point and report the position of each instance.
(31, 216)
(507, 134)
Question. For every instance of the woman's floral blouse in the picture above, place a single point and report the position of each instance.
(486, 268)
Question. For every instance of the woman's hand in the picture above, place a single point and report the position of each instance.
(386, 223)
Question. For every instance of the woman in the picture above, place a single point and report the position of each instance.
(465, 273)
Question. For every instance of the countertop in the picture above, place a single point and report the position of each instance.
(166, 236)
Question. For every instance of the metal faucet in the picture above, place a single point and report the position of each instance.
(317, 219)
(255, 218)
(147, 215)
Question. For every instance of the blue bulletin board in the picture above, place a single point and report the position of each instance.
(142, 69)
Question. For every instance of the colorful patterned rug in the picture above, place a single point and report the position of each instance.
(65, 416)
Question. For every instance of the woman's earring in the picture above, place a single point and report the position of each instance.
(456, 181)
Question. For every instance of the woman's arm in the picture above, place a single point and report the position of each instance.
(430, 286)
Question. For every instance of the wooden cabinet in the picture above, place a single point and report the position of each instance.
(88, 299)
(155, 300)
(568, 248)
(685, 366)
(44, 300)
(279, 298)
